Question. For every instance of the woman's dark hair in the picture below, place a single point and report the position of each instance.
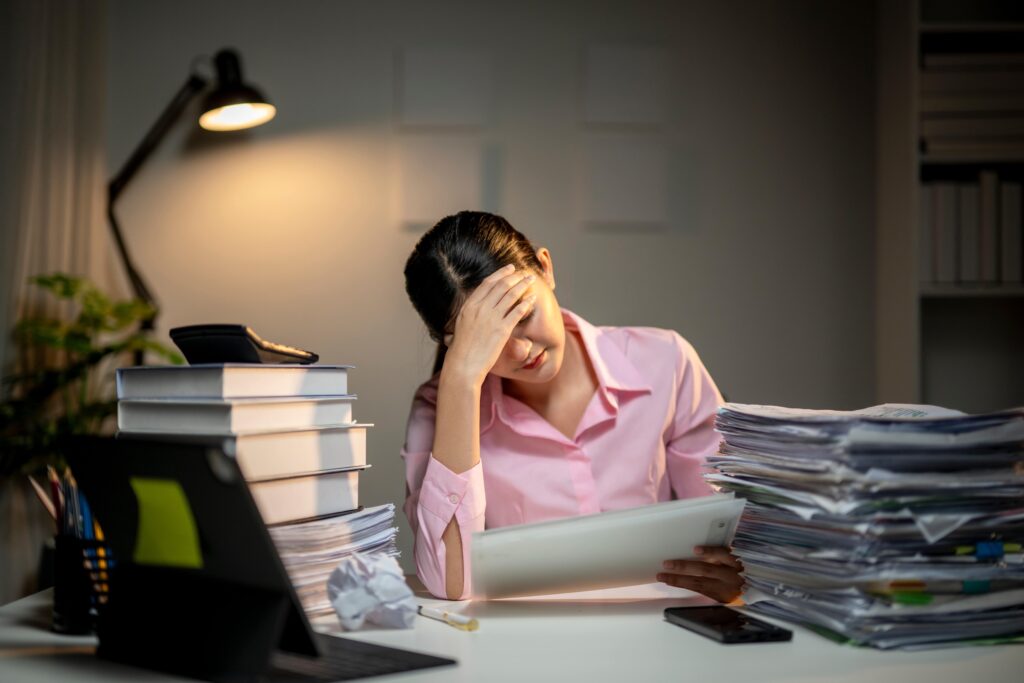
(453, 258)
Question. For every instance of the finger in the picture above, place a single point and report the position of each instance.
(499, 273)
(514, 293)
(520, 310)
(697, 568)
(488, 282)
(721, 591)
(717, 555)
(489, 293)
(501, 288)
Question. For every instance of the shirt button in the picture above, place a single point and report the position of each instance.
(453, 499)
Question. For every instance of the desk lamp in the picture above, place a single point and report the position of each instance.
(232, 104)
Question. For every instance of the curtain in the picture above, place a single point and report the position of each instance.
(52, 203)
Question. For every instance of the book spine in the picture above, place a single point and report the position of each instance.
(313, 412)
(954, 81)
(933, 103)
(945, 232)
(149, 416)
(970, 260)
(288, 500)
(260, 455)
(988, 226)
(926, 258)
(967, 126)
(973, 60)
(973, 149)
(1012, 233)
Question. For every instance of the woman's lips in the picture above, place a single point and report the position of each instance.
(535, 362)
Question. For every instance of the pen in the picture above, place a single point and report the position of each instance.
(451, 618)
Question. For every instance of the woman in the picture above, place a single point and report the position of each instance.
(534, 414)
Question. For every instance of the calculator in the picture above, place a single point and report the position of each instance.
(234, 344)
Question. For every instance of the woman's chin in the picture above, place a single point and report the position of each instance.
(544, 372)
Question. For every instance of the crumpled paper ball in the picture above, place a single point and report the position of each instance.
(371, 588)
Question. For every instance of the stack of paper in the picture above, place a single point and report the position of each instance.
(894, 526)
(311, 550)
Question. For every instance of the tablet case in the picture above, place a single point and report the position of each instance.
(220, 621)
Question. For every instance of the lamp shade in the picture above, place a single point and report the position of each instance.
(233, 104)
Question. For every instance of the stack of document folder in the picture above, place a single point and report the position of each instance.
(311, 550)
(896, 526)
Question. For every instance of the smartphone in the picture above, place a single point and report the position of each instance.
(726, 625)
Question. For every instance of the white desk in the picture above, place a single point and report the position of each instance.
(621, 638)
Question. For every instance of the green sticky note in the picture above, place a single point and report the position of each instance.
(167, 534)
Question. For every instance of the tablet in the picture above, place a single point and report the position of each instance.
(609, 549)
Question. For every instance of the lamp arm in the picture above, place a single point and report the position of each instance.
(193, 86)
(149, 143)
(163, 124)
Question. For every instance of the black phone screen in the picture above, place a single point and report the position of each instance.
(726, 625)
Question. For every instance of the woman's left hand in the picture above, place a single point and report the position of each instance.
(716, 574)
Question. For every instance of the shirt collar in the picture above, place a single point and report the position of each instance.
(615, 372)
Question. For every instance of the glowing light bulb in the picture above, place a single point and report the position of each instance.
(237, 116)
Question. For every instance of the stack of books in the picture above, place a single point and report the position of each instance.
(291, 430)
(897, 527)
(972, 106)
(972, 232)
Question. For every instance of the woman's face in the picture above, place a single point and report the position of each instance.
(535, 350)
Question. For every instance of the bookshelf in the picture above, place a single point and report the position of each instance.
(950, 159)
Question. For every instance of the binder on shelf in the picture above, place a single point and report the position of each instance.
(944, 232)
(926, 259)
(969, 237)
(988, 226)
(1011, 233)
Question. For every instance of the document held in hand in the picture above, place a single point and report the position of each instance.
(618, 548)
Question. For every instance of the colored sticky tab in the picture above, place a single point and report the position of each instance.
(976, 586)
(911, 598)
(167, 534)
(989, 550)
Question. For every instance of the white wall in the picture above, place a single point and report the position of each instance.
(765, 265)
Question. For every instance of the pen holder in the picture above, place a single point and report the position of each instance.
(81, 570)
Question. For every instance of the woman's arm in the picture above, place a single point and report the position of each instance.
(447, 490)
(718, 573)
(439, 501)
(457, 447)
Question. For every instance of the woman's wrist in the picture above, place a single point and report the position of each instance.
(456, 374)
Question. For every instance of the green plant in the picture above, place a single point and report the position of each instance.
(64, 379)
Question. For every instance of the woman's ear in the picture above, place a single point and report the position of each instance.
(547, 267)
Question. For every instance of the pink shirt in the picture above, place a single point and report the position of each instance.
(642, 439)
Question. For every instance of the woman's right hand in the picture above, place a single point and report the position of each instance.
(486, 321)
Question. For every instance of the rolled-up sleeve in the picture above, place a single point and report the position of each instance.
(435, 495)
(693, 437)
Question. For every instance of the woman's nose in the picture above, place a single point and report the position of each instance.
(519, 349)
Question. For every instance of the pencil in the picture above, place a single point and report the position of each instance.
(55, 493)
(43, 498)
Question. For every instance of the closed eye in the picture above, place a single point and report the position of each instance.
(526, 318)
